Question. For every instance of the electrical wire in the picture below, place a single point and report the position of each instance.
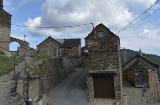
(143, 18)
(138, 16)
(53, 26)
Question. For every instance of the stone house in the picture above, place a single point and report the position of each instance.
(103, 66)
(49, 46)
(142, 73)
(5, 27)
(72, 47)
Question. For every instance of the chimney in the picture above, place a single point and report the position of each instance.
(1, 4)
(140, 52)
(125, 56)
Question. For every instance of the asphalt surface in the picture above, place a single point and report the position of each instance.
(72, 91)
(157, 103)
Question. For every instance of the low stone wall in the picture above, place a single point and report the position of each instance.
(54, 71)
(49, 73)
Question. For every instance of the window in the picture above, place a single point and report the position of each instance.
(100, 34)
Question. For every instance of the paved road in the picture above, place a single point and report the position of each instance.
(72, 91)
(157, 103)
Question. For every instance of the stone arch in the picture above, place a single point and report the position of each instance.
(14, 46)
(24, 46)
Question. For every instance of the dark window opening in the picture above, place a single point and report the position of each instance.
(100, 34)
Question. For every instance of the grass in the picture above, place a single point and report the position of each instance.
(7, 63)
(39, 57)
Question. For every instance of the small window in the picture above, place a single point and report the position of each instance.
(100, 34)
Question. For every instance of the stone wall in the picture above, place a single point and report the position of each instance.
(76, 61)
(5, 25)
(45, 75)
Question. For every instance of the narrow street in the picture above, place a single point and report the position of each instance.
(156, 103)
(72, 91)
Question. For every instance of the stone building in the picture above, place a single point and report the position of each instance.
(136, 70)
(5, 27)
(72, 47)
(49, 46)
(142, 73)
(103, 67)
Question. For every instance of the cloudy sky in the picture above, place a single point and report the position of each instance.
(115, 14)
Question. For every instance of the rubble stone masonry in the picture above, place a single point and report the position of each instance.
(5, 26)
(103, 59)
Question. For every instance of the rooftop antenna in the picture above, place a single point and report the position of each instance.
(92, 25)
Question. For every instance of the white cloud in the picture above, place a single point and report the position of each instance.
(115, 14)
(149, 34)
(61, 13)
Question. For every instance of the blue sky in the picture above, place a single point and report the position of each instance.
(115, 14)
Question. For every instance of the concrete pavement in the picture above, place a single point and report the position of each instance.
(72, 91)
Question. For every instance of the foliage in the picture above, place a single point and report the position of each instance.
(39, 57)
(2, 53)
(7, 63)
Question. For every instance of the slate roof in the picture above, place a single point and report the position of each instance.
(47, 39)
(72, 42)
(101, 25)
(138, 56)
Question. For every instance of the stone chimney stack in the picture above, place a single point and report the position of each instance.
(140, 52)
(125, 56)
(1, 4)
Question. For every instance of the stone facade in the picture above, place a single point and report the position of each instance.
(136, 71)
(143, 74)
(5, 27)
(103, 60)
(49, 46)
(71, 47)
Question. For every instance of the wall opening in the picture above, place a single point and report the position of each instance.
(14, 46)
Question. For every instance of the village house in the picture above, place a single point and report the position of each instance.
(60, 47)
(103, 67)
(49, 46)
(5, 27)
(72, 47)
(142, 73)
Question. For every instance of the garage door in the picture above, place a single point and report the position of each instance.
(104, 87)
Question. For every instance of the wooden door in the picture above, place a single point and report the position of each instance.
(104, 87)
